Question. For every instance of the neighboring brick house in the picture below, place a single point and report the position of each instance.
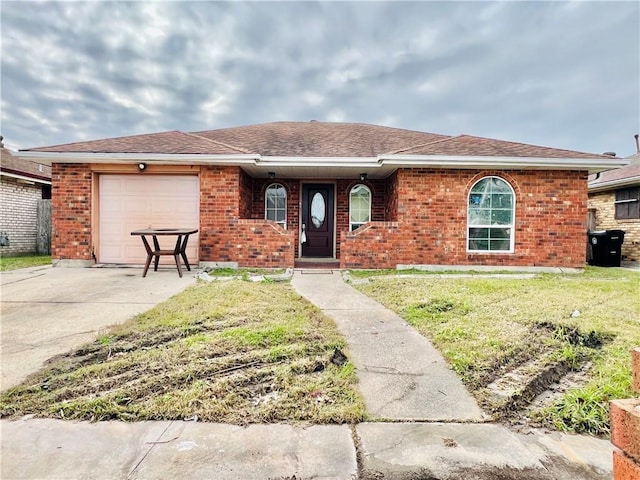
(356, 195)
(22, 185)
(614, 201)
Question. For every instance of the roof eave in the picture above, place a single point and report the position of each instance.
(346, 162)
(592, 165)
(48, 158)
(613, 184)
(25, 177)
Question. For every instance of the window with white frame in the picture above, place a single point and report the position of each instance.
(275, 204)
(491, 216)
(359, 206)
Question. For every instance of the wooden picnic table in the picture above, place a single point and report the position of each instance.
(154, 253)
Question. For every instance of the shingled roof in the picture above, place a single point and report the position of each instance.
(320, 139)
(174, 142)
(468, 145)
(618, 177)
(23, 168)
(313, 139)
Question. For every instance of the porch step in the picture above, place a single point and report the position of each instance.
(325, 263)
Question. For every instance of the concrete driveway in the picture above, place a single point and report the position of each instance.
(47, 311)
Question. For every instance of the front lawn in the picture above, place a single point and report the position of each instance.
(235, 352)
(23, 261)
(486, 327)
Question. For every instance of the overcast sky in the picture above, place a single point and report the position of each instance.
(560, 74)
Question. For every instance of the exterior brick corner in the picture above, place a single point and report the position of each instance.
(625, 431)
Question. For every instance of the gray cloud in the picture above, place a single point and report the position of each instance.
(563, 74)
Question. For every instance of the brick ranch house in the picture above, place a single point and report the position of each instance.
(357, 195)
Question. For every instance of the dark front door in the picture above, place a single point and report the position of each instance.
(317, 220)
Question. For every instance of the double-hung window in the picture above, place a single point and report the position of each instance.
(490, 216)
(359, 206)
(275, 208)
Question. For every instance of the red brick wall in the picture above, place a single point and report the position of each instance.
(343, 190)
(293, 203)
(219, 190)
(227, 233)
(375, 245)
(431, 213)
(419, 217)
(258, 243)
(71, 212)
(245, 195)
(391, 202)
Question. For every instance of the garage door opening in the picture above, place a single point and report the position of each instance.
(134, 202)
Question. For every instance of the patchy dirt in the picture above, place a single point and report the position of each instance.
(531, 379)
(259, 360)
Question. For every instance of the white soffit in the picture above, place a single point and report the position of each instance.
(335, 167)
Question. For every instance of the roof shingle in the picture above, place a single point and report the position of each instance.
(319, 139)
(468, 145)
(19, 166)
(313, 139)
(618, 175)
(174, 142)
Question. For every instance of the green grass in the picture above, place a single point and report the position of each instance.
(244, 273)
(23, 261)
(481, 325)
(234, 352)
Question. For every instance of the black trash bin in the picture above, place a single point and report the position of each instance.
(606, 248)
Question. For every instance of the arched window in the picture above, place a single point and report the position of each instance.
(359, 206)
(491, 216)
(275, 204)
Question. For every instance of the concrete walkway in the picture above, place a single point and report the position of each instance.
(401, 375)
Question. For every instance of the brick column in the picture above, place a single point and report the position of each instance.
(625, 429)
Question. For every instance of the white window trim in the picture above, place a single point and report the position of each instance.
(359, 224)
(511, 226)
(266, 209)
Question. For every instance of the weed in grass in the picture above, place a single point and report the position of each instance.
(195, 339)
(348, 372)
(105, 339)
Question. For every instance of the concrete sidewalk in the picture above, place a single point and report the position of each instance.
(401, 375)
(55, 449)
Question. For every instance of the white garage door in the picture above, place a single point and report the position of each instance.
(132, 202)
